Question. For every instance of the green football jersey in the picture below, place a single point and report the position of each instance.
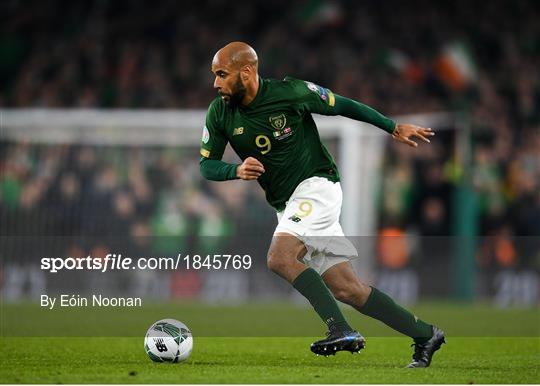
(277, 129)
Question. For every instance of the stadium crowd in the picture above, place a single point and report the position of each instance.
(480, 59)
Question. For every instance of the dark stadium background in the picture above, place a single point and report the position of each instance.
(76, 199)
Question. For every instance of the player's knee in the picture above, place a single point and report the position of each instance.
(284, 253)
(276, 263)
(276, 266)
(353, 294)
(344, 295)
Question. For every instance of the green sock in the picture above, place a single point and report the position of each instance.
(310, 284)
(381, 307)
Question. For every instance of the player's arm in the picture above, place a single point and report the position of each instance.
(320, 100)
(217, 170)
(212, 147)
(358, 111)
(211, 166)
(213, 144)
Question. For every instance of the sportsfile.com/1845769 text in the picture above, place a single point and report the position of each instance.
(113, 261)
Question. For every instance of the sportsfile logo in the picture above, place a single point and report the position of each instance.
(116, 261)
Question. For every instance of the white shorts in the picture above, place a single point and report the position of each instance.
(312, 215)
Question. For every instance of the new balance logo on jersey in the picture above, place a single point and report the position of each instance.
(161, 347)
(238, 131)
(295, 218)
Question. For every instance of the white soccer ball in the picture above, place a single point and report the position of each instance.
(168, 340)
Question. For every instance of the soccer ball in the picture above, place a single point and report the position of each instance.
(168, 340)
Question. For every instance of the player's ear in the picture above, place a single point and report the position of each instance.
(245, 73)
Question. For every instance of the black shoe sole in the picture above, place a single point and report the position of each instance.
(332, 347)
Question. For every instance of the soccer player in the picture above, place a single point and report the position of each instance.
(269, 125)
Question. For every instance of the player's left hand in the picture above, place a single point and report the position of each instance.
(404, 133)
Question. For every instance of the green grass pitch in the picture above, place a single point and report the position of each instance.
(473, 353)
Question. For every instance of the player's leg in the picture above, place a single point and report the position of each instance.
(313, 209)
(347, 288)
(283, 258)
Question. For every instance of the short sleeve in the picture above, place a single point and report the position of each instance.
(213, 139)
(312, 97)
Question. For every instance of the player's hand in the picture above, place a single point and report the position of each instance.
(250, 169)
(404, 133)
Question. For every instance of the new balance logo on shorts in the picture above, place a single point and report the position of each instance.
(295, 218)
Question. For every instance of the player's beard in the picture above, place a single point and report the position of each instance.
(237, 94)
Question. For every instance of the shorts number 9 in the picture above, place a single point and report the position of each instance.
(305, 209)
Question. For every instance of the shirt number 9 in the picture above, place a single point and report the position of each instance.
(263, 143)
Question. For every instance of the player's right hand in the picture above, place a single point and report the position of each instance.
(250, 169)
